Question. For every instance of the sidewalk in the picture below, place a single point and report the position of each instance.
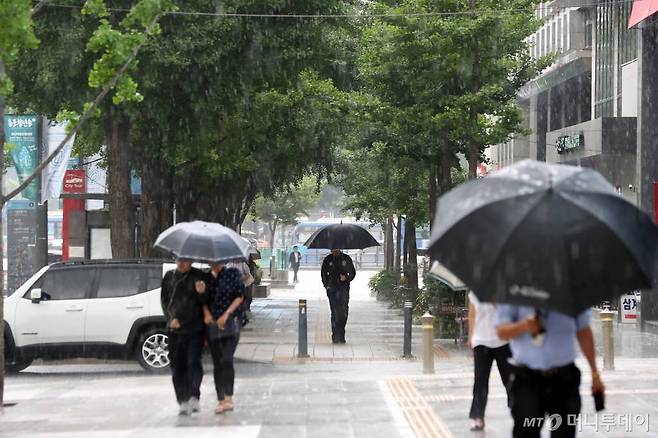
(374, 331)
(360, 390)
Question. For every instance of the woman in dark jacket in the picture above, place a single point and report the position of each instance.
(225, 294)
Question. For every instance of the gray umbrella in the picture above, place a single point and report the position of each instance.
(549, 236)
(203, 242)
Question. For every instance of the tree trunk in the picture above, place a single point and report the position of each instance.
(433, 192)
(473, 146)
(473, 157)
(398, 245)
(117, 130)
(389, 245)
(405, 246)
(411, 268)
(2, 255)
(156, 203)
(272, 226)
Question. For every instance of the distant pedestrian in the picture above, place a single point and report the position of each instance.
(544, 379)
(225, 295)
(295, 261)
(337, 273)
(182, 298)
(487, 347)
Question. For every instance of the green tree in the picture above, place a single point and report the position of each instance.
(286, 206)
(447, 82)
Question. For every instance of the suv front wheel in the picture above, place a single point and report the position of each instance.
(152, 350)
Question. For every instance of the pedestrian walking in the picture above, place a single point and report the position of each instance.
(248, 279)
(225, 295)
(295, 261)
(544, 379)
(182, 298)
(337, 274)
(487, 347)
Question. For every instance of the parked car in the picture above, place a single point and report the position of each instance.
(99, 309)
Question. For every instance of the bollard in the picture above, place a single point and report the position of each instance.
(303, 325)
(428, 343)
(406, 350)
(608, 341)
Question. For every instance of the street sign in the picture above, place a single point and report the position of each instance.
(21, 235)
(629, 308)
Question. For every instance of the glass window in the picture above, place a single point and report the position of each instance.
(121, 281)
(65, 284)
(154, 277)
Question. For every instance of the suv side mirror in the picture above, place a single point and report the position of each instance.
(35, 295)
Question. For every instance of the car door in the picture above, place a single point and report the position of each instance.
(59, 317)
(118, 302)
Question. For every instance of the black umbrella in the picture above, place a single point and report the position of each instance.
(341, 236)
(204, 242)
(549, 236)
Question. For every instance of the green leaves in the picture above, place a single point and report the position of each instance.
(16, 34)
(116, 43)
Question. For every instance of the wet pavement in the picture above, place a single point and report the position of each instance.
(359, 390)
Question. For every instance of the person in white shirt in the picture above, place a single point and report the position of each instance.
(487, 347)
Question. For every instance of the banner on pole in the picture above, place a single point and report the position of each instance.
(22, 138)
(53, 175)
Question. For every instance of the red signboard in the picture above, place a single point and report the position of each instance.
(75, 181)
(642, 9)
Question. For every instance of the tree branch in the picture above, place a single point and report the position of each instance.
(36, 8)
(86, 115)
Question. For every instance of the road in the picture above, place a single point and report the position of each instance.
(363, 389)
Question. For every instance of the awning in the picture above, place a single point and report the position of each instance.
(642, 9)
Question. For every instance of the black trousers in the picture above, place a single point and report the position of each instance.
(222, 351)
(339, 299)
(185, 361)
(483, 358)
(534, 395)
(249, 295)
(295, 269)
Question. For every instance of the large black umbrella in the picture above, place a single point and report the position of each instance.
(341, 236)
(204, 242)
(549, 236)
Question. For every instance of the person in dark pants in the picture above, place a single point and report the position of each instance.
(487, 347)
(295, 261)
(182, 298)
(544, 379)
(337, 272)
(225, 295)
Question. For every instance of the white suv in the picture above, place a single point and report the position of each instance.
(100, 309)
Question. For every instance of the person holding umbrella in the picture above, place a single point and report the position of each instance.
(546, 242)
(225, 295)
(338, 269)
(544, 379)
(337, 272)
(182, 298)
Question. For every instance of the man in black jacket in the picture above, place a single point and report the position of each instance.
(295, 261)
(182, 298)
(337, 273)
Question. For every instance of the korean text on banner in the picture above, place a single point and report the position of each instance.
(21, 136)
